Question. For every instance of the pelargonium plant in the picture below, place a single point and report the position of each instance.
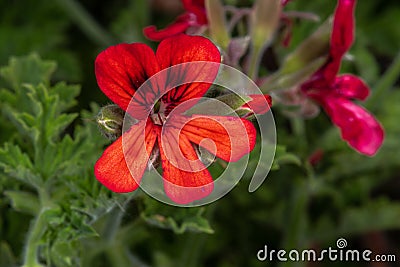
(205, 34)
(219, 93)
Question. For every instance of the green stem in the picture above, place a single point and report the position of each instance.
(116, 248)
(38, 227)
(192, 251)
(35, 234)
(254, 62)
(113, 224)
(299, 131)
(297, 221)
(118, 255)
(385, 84)
(86, 22)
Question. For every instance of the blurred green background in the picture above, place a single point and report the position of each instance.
(346, 195)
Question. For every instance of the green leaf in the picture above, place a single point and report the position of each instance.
(29, 69)
(24, 201)
(47, 112)
(66, 95)
(179, 220)
(35, 109)
(18, 165)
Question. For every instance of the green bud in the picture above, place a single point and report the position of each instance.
(213, 106)
(217, 23)
(265, 21)
(279, 81)
(312, 48)
(299, 65)
(264, 24)
(110, 120)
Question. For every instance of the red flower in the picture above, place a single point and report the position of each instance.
(334, 93)
(120, 71)
(195, 17)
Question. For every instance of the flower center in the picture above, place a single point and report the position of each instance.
(158, 118)
(157, 115)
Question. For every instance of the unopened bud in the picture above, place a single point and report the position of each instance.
(110, 120)
(312, 48)
(217, 22)
(303, 62)
(247, 106)
(259, 104)
(266, 16)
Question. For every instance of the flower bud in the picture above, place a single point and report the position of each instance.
(266, 16)
(303, 62)
(217, 23)
(110, 120)
(312, 48)
(247, 106)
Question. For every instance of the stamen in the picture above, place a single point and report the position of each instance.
(158, 118)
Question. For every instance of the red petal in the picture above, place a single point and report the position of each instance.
(351, 86)
(121, 70)
(183, 49)
(195, 16)
(112, 170)
(177, 27)
(232, 137)
(185, 178)
(260, 104)
(358, 127)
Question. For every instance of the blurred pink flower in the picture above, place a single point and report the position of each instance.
(335, 93)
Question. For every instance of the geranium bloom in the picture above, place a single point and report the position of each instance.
(334, 93)
(195, 17)
(120, 71)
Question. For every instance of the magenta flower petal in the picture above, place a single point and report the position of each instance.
(334, 93)
(358, 127)
(197, 8)
(341, 39)
(351, 86)
(343, 28)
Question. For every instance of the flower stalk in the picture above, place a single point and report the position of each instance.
(39, 226)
